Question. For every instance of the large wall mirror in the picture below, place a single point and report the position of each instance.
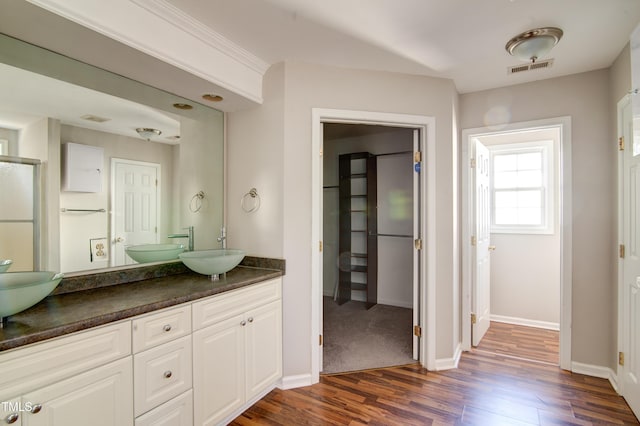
(79, 183)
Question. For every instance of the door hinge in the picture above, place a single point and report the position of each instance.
(321, 152)
(473, 319)
(621, 143)
(474, 241)
(621, 358)
(417, 331)
(473, 163)
(418, 244)
(417, 157)
(320, 245)
(621, 251)
(156, 182)
(320, 339)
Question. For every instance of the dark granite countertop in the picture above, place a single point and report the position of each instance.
(61, 314)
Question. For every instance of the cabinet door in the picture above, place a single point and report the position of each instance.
(218, 360)
(263, 347)
(100, 397)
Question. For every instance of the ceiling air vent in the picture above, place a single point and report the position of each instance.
(530, 67)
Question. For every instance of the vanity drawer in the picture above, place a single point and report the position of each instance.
(160, 327)
(226, 305)
(177, 412)
(40, 364)
(161, 373)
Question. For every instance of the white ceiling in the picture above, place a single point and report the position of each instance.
(461, 40)
(28, 97)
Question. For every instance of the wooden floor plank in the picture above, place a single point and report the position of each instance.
(522, 342)
(486, 389)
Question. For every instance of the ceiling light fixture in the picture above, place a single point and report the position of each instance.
(148, 133)
(534, 44)
(182, 106)
(212, 98)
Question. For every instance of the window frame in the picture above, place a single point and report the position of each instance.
(546, 148)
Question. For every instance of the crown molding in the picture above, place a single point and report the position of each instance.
(229, 67)
(187, 23)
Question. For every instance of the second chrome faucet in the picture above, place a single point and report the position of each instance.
(189, 235)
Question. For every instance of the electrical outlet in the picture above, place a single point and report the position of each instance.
(99, 249)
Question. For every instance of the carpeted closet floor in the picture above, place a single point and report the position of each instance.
(357, 339)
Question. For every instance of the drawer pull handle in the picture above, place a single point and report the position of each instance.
(167, 374)
(12, 418)
(36, 409)
(167, 327)
(250, 319)
(243, 323)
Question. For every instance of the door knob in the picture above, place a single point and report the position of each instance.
(492, 248)
(119, 240)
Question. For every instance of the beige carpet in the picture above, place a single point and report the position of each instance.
(357, 339)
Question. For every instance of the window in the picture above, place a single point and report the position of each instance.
(522, 188)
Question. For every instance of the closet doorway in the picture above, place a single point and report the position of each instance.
(368, 246)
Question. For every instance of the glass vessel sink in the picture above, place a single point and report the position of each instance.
(21, 290)
(145, 253)
(5, 264)
(212, 262)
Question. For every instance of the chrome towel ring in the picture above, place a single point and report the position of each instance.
(196, 202)
(250, 202)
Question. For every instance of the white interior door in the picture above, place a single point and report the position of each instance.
(135, 206)
(481, 239)
(631, 264)
(417, 236)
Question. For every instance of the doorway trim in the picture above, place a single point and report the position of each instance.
(427, 315)
(565, 227)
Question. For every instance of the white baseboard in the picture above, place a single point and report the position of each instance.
(595, 371)
(526, 322)
(449, 363)
(297, 381)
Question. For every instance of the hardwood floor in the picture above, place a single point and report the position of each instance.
(523, 342)
(486, 389)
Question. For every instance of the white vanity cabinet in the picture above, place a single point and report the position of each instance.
(237, 350)
(77, 380)
(163, 368)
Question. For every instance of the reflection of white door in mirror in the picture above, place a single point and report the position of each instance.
(135, 212)
(4, 147)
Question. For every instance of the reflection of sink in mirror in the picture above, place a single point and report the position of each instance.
(212, 262)
(21, 290)
(145, 253)
(5, 264)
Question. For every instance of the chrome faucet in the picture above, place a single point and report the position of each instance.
(223, 237)
(189, 235)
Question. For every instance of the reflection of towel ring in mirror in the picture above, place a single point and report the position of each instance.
(251, 195)
(196, 202)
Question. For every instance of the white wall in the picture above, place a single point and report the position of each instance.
(77, 229)
(256, 160)
(201, 151)
(12, 136)
(285, 146)
(584, 97)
